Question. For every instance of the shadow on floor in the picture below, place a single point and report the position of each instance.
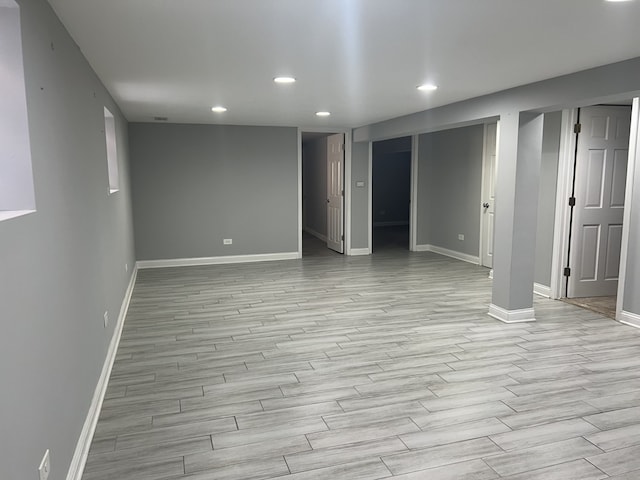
(603, 305)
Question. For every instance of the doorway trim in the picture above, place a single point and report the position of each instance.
(413, 201)
(347, 183)
(634, 151)
(560, 253)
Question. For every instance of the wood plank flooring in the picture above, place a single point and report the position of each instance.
(354, 368)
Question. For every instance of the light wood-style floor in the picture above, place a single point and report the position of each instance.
(347, 368)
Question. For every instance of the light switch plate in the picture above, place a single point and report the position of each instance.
(227, 241)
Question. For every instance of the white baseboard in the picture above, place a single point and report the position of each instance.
(448, 253)
(628, 318)
(542, 290)
(318, 235)
(81, 453)
(359, 251)
(491, 274)
(511, 316)
(188, 262)
(400, 223)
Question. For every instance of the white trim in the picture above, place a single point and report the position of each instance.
(81, 452)
(413, 206)
(347, 192)
(300, 226)
(491, 274)
(318, 235)
(449, 253)
(188, 262)
(563, 191)
(511, 316)
(370, 199)
(391, 224)
(542, 290)
(628, 318)
(632, 164)
(360, 251)
(7, 214)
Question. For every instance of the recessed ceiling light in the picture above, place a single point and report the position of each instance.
(284, 80)
(323, 114)
(218, 109)
(618, 0)
(427, 87)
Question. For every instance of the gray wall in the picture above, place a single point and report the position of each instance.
(314, 185)
(449, 186)
(360, 195)
(391, 185)
(194, 185)
(63, 266)
(547, 197)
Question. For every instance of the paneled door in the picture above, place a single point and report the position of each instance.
(489, 192)
(335, 192)
(600, 177)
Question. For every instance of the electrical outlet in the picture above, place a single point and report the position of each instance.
(106, 319)
(126, 267)
(45, 466)
(227, 241)
(460, 236)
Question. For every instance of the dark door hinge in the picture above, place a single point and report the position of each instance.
(572, 201)
(567, 272)
(577, 128)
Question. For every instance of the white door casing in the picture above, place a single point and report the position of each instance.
(600, 178)
(335, 192)
(488, 200)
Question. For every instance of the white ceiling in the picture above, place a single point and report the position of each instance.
(359, 59)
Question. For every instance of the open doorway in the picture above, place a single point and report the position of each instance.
(391, 193)
(596, 204)
(323, 167)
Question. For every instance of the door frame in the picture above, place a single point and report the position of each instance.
(566, 170)
(347, 183)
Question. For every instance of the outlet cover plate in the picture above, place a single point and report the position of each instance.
(106, 319)
(227, 241)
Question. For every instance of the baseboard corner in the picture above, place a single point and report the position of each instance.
(512, 316)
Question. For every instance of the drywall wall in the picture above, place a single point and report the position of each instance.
(449, 185)
(195, 185)
(63, 266)
(360, 195)
(314, 186)
(391, 183)
(547, 197)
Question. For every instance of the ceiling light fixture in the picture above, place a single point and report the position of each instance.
(284, 80)
(323, 114)
(617, 0)
(218, 109)
(427, 87)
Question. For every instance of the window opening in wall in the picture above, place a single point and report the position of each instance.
(112, 150)
(17, 195)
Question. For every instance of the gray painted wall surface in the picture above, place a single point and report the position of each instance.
(195, 185)
(63, 266)
(547, 197)
(449, 187)
(360, 195)
(314, 185)
(391, 187)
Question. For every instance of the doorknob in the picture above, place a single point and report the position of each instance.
(485, 205)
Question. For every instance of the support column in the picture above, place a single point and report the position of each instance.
(518, 175)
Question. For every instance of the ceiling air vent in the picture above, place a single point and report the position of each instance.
(160, 119)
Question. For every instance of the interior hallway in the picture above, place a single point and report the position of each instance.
(340, 367)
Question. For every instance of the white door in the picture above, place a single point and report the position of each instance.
(489, 192)
(600, 177)
(335, 192)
